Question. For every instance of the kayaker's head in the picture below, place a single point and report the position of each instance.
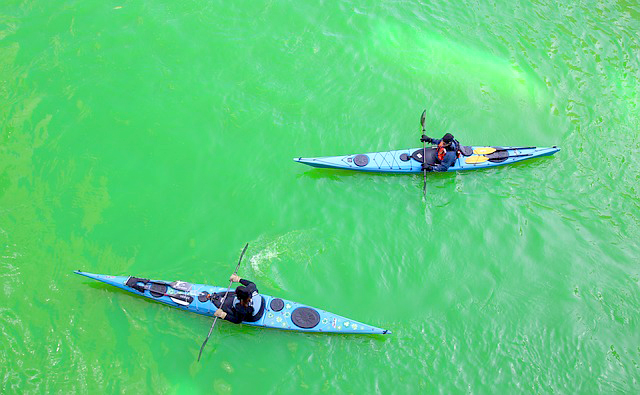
(243, 294)
(447, 138)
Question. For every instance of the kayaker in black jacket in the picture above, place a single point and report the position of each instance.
(447, 152)
(244, 306)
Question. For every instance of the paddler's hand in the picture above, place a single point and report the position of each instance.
(220, 314)
(235, 278)
(427, 167)
(425, 138)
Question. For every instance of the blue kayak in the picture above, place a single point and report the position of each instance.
(410, 160)
(275, 312)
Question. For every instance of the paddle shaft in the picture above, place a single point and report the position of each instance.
(424, 156)
(505, 149)
(485, 158)
(424, 160)
(517, 156)
(183, 297)
(223, 299)
(514, 148)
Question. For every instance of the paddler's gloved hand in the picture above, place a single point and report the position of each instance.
(427, 167)
(234, 278)
(425, 138)
(220, 314)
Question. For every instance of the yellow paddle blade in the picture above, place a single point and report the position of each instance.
(484, 150)
(477, 159)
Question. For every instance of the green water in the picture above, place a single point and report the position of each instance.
(155, 138)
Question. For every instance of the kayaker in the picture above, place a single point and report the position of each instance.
(447, 152)
(246, 304)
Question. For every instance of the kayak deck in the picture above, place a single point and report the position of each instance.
(410, 160)
(278, 313)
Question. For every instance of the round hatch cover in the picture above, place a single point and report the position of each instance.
(361, 160)
(305, 317)
(203, 297)
(276, 304)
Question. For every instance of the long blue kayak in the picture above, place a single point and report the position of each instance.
(410, 160)
(204, 299)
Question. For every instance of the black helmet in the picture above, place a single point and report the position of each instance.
(242, 293)
(447, 138)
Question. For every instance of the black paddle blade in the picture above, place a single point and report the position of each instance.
(182, 297)
(202, 348)
(241, 255)
(423, 118)
(207, 339)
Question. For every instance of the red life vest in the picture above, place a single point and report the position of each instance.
(442, 151)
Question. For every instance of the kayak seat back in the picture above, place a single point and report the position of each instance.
(258, 315)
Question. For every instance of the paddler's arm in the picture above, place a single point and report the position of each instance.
(251, 287)
(231, 317)
(448, 161)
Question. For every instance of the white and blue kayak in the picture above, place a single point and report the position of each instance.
(410, 160)
(204, 299)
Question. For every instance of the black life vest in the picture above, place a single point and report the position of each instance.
(257, 304)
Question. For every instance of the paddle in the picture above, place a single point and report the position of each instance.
(490, 150)
(481, 158)
(225, 296)
(516, 156)
(484, 150)
(424, 154)
(187, 299)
